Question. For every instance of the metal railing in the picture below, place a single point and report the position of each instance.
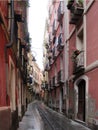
(60, 76)
(54, 52)
(54, 28)
(54, 81)
(60, 42)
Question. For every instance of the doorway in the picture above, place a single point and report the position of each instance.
(81, 100)
(61, 99)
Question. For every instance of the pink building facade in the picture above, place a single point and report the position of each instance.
(55, 50)
(72, 66)
(83, 62)
(13, 17)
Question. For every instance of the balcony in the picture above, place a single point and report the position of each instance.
(19, 17)
(60, 77)
(76, 11)
(70, 3)
(60, 45)
(54, 53)
(54, 27)
(46, 45)
(50, 85)
(30, 80)
(50, 61)
(23, 3)
(60, 11)
(50, 38)
(46, 86)
(50, 54)
(76, 15)
(55, 81)
(79, 64)
(50, 12)
(47, 67)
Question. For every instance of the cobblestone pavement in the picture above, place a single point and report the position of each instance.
(40, 117)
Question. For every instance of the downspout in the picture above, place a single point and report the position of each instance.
(9, 45)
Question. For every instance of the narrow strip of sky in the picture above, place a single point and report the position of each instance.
(37, 17)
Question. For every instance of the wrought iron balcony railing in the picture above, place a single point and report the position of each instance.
(50, 38)
(46, 85)
(50, 85)
(50, 61)
(50, 12)
(55, 81)
(47, 67)
(54, 53)
(50, 54)
(60, 42)
(54, 27)
(76, 10)
(60, 77)
(76, 15)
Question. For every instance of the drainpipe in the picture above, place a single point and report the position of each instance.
(9, 45)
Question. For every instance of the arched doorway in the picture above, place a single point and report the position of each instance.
(81, 86)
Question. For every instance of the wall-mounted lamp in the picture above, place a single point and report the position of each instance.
(33, 59)
(33, 55)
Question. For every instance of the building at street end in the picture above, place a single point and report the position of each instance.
(34, 78)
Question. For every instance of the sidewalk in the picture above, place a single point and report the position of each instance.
(31, 120)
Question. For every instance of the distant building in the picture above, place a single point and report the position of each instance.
(35, 77)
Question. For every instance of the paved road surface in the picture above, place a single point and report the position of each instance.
(40, 117)
(31, 120)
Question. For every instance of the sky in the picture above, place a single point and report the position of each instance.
(36, 25)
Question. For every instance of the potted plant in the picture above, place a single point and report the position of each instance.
(70, 3)
(80, 3)
(75, 54)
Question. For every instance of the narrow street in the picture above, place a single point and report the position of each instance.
(49, 65)
(40, 117)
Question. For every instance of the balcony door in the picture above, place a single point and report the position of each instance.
(61, 99)
(81, 100)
